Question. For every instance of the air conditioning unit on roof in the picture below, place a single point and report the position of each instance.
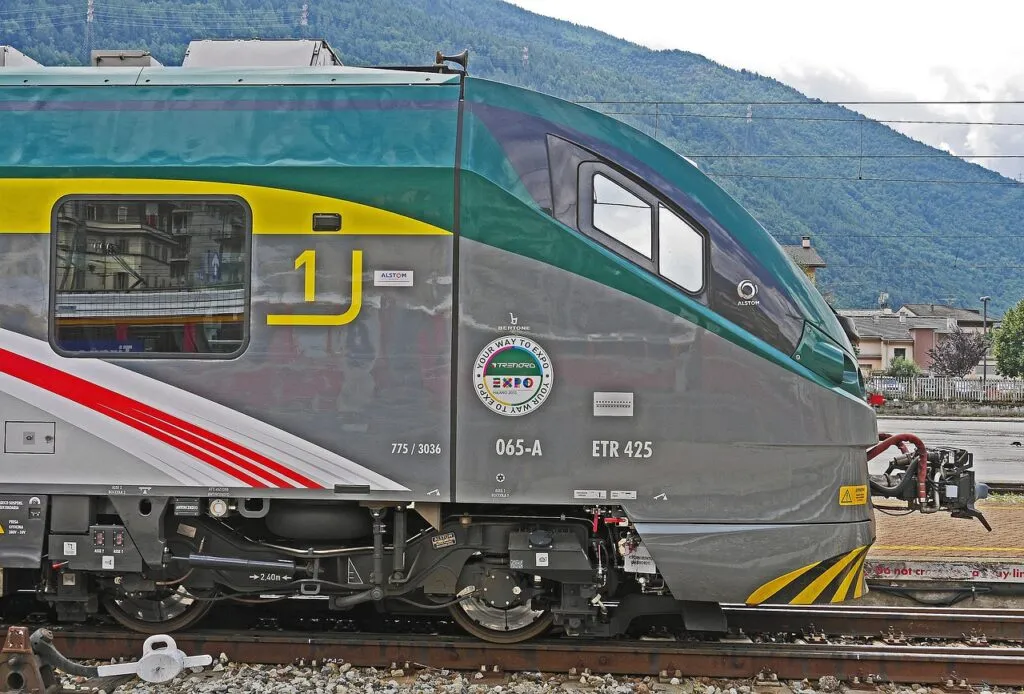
(123, 58)
(259, 53)
(12, 57)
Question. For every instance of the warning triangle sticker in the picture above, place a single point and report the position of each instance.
(847, 498)
(1, 529)
(352, 575)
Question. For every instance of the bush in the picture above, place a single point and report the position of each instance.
(902, 368)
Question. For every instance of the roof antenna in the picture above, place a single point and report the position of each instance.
(459, 58)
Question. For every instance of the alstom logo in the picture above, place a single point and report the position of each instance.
(393, 278)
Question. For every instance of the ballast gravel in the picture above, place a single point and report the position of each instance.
(338, 677)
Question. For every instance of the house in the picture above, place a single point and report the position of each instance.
(971, 320)
(806, 257)
(884, 336)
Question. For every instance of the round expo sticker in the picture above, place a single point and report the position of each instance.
(513, 375)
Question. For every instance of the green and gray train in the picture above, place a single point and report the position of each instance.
(405, 337)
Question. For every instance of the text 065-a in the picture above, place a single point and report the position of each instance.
(518, 447)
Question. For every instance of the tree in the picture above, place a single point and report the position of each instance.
(958, 353)
(902, 368)
(1009, 342)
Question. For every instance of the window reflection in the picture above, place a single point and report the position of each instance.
(622, 215)
(151, 276)
(680, 251)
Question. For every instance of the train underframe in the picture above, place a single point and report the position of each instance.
(505, 573)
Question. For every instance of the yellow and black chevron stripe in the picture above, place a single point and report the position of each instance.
(822, 582)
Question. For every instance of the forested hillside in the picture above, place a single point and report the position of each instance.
(887, 213)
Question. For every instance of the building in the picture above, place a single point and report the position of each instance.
(970, 320)
(885, 336)
(806, 257)
(911, 332)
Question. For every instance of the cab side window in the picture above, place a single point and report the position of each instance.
(622, 215)
(639, 225)
(680, 251)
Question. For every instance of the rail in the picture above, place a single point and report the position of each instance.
(768, 642)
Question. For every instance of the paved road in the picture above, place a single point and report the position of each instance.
(995, 459)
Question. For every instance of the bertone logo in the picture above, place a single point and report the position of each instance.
(513, 325)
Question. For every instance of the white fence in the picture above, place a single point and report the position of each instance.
(972, 389)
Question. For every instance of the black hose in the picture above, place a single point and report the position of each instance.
(907, 483)
(42, 646)
(440, 605)
(959, 594)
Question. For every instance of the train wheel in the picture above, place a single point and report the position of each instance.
(157, 613)
(496, 613)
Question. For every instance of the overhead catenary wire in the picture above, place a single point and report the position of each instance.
(868, 179)
(940, 155)
(807, 102)
(812, 119)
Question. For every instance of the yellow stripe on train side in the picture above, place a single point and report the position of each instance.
(27, 204)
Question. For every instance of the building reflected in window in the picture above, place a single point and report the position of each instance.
(163, 276)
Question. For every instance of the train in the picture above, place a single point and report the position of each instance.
(403, 337)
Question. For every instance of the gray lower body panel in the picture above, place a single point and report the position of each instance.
(731, 563)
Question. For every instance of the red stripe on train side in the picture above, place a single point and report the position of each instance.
(176, 432)
(253, 461)
(161, 435)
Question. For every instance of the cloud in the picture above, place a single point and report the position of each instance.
(971, 131)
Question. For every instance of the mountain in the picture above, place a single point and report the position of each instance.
(888, 213)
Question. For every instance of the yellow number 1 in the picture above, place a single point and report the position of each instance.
(308, 258)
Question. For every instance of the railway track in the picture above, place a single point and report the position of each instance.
(893, 624)
(868, 645)
(1006, 487)
(722, 659)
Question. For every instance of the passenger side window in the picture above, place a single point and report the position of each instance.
(622, 215)
(153, 277)
(680, 251)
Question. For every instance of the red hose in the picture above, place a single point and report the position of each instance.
(899, 440)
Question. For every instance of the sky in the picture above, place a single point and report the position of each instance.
(869, 50)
